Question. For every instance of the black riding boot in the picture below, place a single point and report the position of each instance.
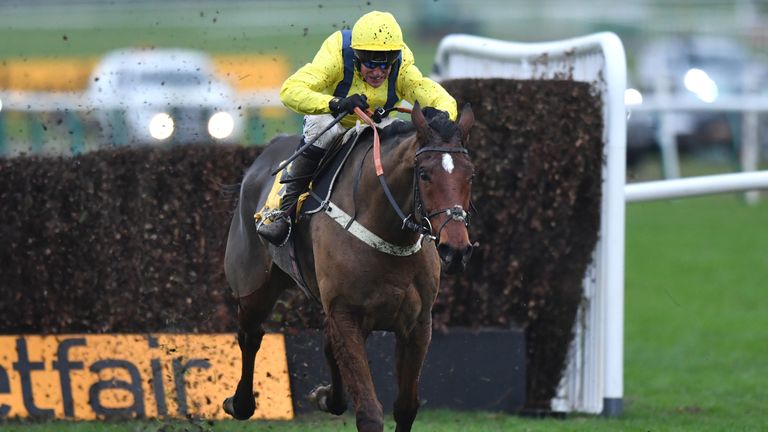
(297, 179)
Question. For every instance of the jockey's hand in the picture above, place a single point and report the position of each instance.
(348, 104)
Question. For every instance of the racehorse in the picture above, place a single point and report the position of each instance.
(375, 270)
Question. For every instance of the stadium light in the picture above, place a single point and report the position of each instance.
(161, 126)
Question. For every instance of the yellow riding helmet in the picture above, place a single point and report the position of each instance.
(377, 31)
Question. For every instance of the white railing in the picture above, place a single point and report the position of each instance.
(693, 186)
(749, 105)
(593, 381)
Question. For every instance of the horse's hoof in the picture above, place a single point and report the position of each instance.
(229, 408)
(319, 397)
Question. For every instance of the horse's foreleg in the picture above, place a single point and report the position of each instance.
(330, 398)
(410, 352)
(253, 310)
(348, 344)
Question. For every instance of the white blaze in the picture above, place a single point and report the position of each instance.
(447, 162)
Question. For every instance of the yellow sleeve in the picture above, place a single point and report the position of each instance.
(413, 86)
(310, 88)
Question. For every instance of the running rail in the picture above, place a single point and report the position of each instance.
(694, 186)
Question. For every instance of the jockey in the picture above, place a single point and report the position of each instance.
(369, 65)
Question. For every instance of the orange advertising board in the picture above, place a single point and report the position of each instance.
(253, 72)
(87, 377)
(245, 72)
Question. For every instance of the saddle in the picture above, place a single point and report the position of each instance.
(324, 179)
(322, 182)
(318, 196)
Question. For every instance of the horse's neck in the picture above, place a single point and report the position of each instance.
(374, 209)
(398, 160)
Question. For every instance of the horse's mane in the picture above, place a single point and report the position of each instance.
(396, 128)
(440, 122)
(436, 119)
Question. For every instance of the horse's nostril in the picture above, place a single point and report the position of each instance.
(445, 252)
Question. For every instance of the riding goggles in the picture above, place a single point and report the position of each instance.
(375, 64)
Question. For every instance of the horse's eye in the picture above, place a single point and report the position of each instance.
(423, 175)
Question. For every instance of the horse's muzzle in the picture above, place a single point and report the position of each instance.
(455, 260)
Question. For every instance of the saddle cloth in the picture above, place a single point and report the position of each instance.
(320, 186)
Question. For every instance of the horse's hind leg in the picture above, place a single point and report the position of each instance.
(348, 344)
(253, 310)
(410, 352)
(330, 398)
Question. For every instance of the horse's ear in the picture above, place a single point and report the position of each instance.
(465, 122)
(417, 117)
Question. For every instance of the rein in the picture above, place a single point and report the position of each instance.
(455, 213)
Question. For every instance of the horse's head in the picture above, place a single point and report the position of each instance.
(444, 174)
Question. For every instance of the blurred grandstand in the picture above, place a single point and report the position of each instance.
(59, 44)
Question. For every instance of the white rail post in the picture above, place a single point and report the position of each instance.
(749, 154)
(593, 381)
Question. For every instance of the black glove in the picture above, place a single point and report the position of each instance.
(347, 104)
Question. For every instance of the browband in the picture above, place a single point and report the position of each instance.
(442, 150)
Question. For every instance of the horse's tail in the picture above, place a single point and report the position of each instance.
(230, 192)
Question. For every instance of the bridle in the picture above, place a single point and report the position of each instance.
(422, 226)
(455, 213)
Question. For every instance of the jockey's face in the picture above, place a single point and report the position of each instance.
(375, 77)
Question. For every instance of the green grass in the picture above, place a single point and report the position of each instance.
(697, 312)
(264, 28)
(83, 43)
(696, 334)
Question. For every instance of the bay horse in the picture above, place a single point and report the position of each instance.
(386, 281)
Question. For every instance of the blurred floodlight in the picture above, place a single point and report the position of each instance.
(161, 126)
(632, 97)
(221, 125)
(699, 83)
(1, 104)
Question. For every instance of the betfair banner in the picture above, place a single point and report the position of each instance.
(87, 377)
